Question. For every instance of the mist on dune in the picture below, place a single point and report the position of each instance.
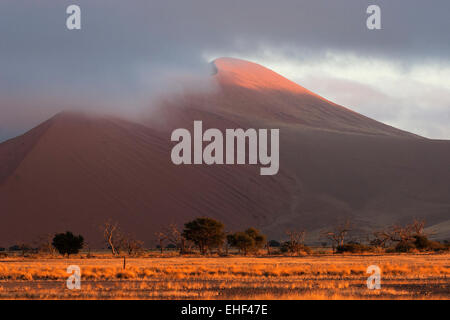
(147, 88)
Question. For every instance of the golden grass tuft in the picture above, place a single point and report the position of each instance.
(312, 277)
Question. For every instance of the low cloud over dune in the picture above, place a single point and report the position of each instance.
(116, 62)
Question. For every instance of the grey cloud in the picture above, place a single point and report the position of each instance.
(101, 65)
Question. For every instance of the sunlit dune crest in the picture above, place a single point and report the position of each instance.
(251, 75)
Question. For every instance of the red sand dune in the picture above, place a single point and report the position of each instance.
(76, 171)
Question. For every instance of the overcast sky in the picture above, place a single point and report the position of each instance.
(126, 51)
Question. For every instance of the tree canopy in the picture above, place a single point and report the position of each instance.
(206, 233)
(67, 243)
(249, 240)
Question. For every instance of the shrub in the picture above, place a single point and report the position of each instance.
(307, 250)
(274, 244)
(437, 246)
(249, 240)
(404, 246)
(67, 243)
(21, 247)
(421, 242)
(257, 237)
(353, 248)
(295, 248)
(243, 242)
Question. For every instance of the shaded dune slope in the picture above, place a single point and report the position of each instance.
(86, 170)
(76, 171)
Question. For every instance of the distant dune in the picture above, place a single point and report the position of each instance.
(75, 171)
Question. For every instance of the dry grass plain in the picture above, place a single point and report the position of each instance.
(404, 276)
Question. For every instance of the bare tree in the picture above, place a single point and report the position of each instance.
(87, 245)
(118, 240)
(338, 234)
(174, 236)
(24, 247)
(296, 240)
(160, 236)
(381, 239)
(44, 244)
(417, 227)
(131, 245)
(112, 236)
(398, 233)
(267, 245)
